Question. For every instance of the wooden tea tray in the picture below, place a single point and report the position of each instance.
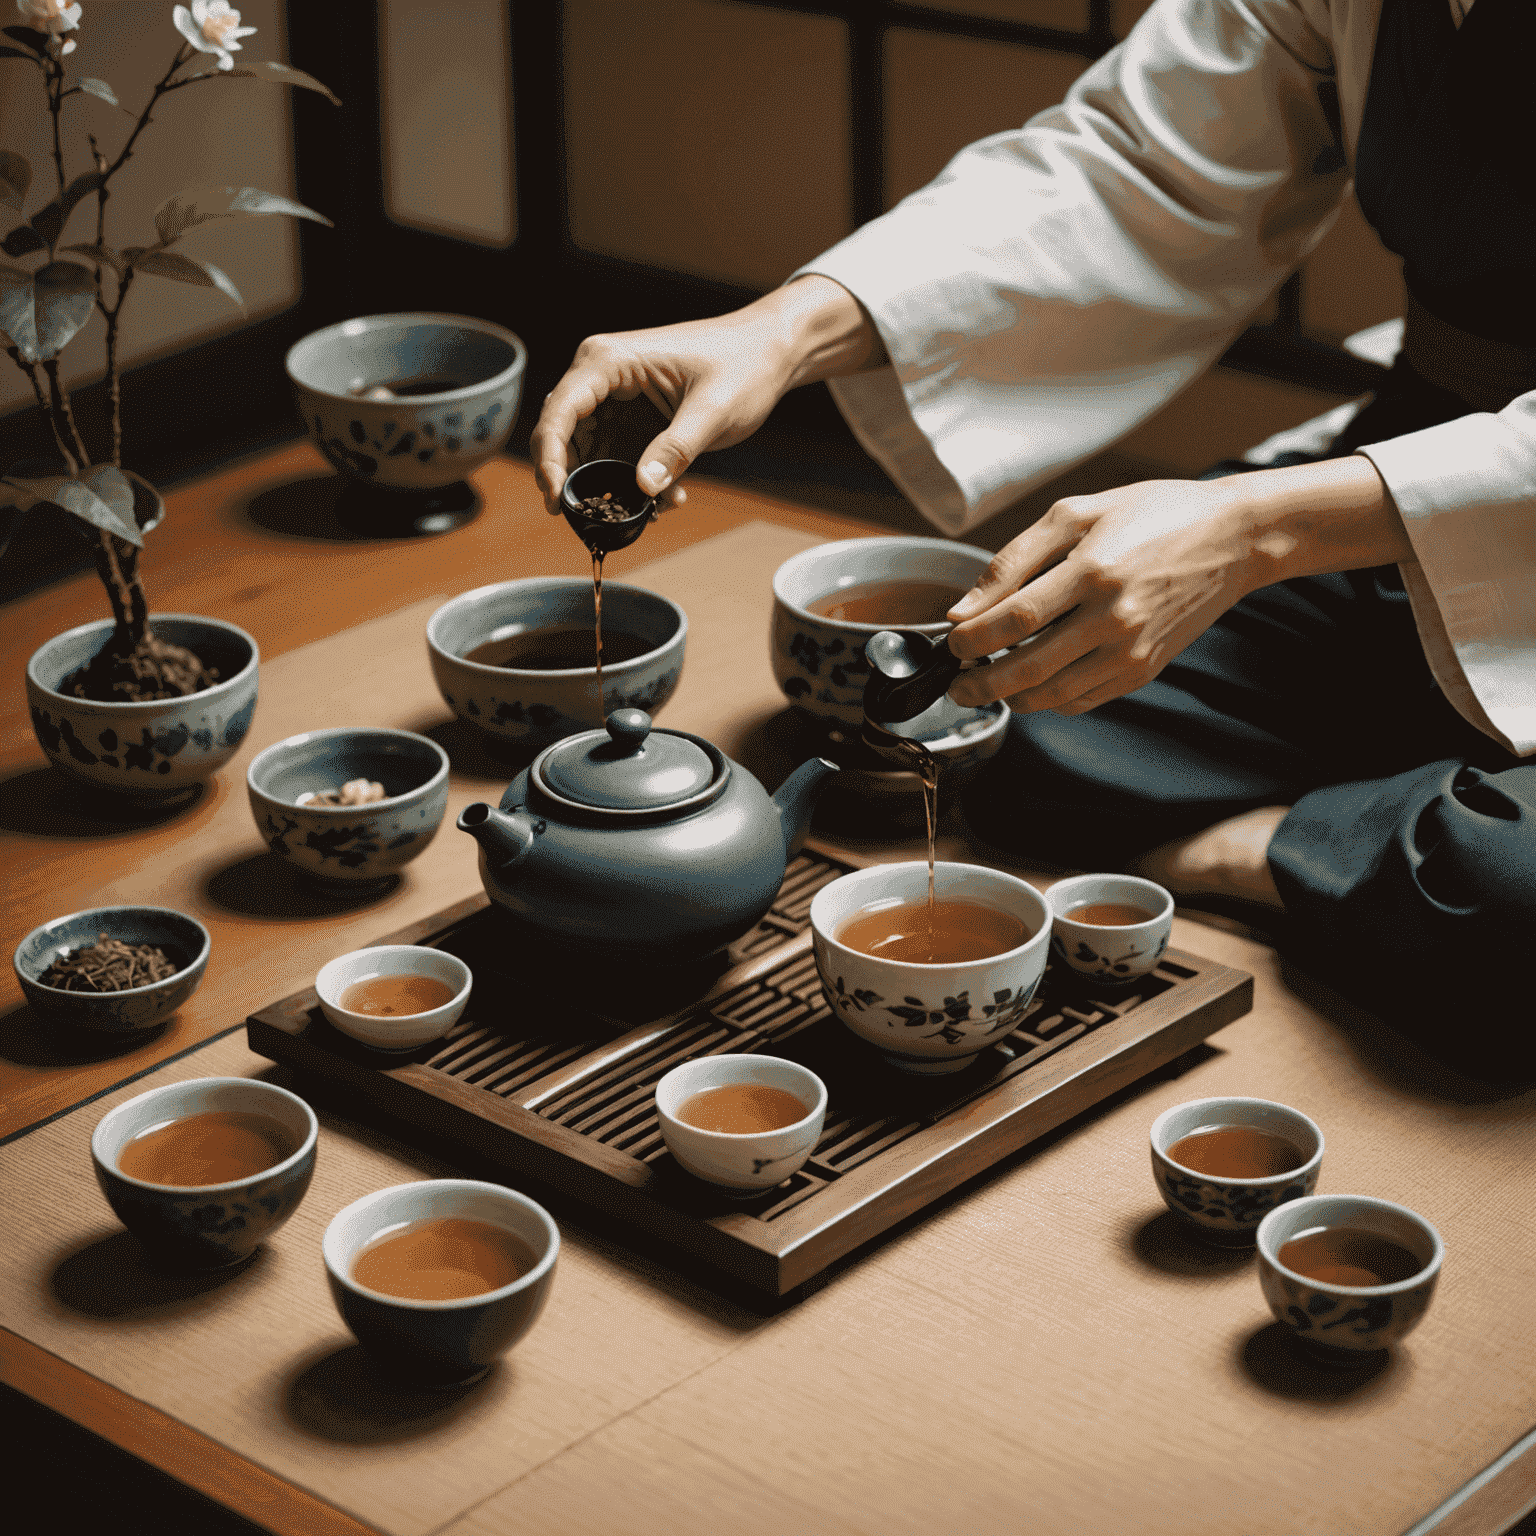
(563, 1093)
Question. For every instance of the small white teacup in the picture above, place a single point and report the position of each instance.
(740, 1161)
(1344, 1321)
(1109, 955)
(393, 1031)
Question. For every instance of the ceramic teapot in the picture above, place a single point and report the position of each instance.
(641, 845)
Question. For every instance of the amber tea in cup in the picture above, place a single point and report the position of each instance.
(558, 648)
(1349, 1256)
(1109, 914)
(442, 1259)
(945, 932)
(743, 1109)
(215, 1147)
(396, 996)
(888, 603)
(1236, 1152)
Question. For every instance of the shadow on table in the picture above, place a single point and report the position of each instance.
(264, 885)
(312, 508)
(115, 1276)
(1164, 1242)
(27, 1039)
(1272, 1359)
(470, 754)
(42, 802)
(342, 1396)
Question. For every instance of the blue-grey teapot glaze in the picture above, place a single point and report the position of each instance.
(639, 844)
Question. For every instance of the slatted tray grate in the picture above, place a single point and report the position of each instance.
(570, 1097)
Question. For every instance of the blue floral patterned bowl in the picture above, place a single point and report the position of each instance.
(206, 1226)
(184, 940)
(1227, 1211)
(153, 752)
(526, 710)
(419, 441)
(344, 846)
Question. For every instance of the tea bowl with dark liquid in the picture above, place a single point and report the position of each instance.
(1224, 1164)
(408, 405)
(347, 847)
(1109, 930)
(439, 1307)
(202, 1172)
(934, 1015)
(517, 660)
(1349, 1275)
(394, 997)
(745, 1122)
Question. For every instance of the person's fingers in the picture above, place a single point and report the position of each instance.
(700, 420)
(1092, 679)
(1018, 616)
(1019, 559)
(571, 401)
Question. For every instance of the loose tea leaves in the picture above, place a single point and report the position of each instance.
(353, 792)
(109, 965)
(604, 509)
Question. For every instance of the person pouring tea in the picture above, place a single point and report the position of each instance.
(1310, 686)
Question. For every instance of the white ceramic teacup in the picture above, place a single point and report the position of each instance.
(741, 1161)
(1110, 956)
(1227, 1211)
(929, 1018)
(447, 1343)
(1348, 1320)
(393, 1032)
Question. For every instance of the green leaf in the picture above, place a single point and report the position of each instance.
(17, 317)
(197, 205)
(83, 500)
(49, 221)
(66, 295)
(99, 89)
(22, 241)
(281, 74)
(111, 485)
(183, 270)
(28, 37)
(15, 178)
(102, 254)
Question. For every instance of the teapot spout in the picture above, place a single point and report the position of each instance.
(796, 799)
(504, 839)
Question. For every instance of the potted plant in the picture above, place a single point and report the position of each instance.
(143, 707)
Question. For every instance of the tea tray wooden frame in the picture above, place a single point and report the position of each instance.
(564, 1095)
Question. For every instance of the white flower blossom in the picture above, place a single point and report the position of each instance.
(55, 17)
(212, 26)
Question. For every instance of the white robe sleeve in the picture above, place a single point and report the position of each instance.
(1059, 282)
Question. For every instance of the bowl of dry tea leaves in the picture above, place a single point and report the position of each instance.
(114, 970)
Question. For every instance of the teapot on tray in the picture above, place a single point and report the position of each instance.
(648, 846)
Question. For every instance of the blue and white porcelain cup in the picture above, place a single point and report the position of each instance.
(1109, 956)
(1227, 1211)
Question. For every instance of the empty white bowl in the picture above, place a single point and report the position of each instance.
(393, 1032)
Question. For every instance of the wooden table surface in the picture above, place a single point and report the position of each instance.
(1044, 1351)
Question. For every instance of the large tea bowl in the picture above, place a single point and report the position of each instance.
(525, 710)
(929, 1018)
(146, 753)
(417, 442)
(183, 939)
(343, 847)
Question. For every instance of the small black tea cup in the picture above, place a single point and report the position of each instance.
(617, 479)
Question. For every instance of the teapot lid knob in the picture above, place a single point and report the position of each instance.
(628, 728)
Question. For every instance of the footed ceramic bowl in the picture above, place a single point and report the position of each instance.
(929, 1018)
(527, 710)
(819, 662)
(345, 846)
(393, 1032)
(425, 440)
(444, 1343)
(184, 940)
(149, 753)
(206, 1226)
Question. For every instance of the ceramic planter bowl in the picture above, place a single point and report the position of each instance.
(819, 662)
(1340, 1323)
(393, 1032)
(151, 753)
(420, 441)
(184, 940)
(345, 846)
(445, 1343)
(525, 710)
(929, 1018)
(206, 1226)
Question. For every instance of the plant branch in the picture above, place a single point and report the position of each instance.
(30, 369)
(161, 87)
(55, 78)
(114, 370)
(115, 580)
(65, 411)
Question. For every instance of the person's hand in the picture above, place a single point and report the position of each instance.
(1127, 578)
(713, 381)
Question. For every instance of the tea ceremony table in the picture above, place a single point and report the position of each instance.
(1042, 1351)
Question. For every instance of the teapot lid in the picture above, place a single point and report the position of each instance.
(627, 768)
